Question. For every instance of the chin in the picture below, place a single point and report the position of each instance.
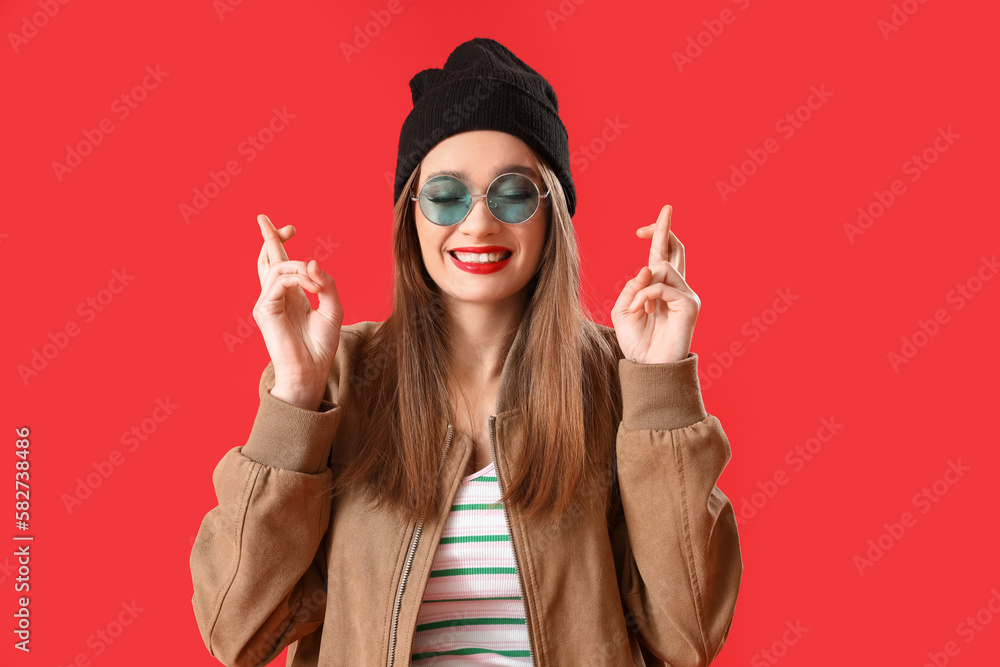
(482, 297)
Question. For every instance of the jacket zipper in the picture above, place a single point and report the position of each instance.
(513, 543)
(409, 561)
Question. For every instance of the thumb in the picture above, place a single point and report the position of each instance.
(329, 300)
(632, 287)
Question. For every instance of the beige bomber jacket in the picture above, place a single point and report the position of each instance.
(653, 581)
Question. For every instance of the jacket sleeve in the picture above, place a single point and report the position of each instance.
(258, 572)
(672, 530)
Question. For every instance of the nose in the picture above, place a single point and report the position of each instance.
(482, 220)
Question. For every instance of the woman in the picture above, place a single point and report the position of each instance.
(487, 477)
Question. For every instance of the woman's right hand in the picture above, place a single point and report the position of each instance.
(302, 342)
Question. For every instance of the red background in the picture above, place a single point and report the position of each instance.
(164, 336)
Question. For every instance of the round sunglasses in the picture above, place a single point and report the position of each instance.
(511, 198)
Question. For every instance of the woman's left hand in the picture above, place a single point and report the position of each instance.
(655, 314)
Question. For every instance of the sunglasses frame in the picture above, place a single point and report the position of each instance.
(538, 192)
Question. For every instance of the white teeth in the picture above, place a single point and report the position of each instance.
(479, 258)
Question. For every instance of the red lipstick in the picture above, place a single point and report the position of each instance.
(480, 267)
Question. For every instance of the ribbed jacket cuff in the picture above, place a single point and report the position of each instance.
(290, 437)
(661, 396)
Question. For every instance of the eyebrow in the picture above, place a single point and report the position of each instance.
(463, 175)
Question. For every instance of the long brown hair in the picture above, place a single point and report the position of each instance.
(570, 421)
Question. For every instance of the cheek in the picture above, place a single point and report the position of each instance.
(535, 241)
(431, 243)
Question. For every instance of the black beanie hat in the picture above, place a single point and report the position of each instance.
(483, 86)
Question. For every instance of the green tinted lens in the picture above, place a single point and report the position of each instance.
(513, 198)
(444, 200)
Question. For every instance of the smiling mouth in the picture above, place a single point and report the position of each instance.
(480, 258)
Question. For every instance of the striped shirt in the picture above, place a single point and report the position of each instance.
(472, 610)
